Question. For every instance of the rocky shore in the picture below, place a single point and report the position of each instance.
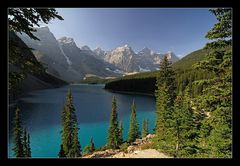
(135, 150)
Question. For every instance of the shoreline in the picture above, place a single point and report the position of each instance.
(131, 93)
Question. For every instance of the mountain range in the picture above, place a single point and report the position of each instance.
(65, 60)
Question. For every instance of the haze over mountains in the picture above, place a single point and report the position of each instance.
(65, 60)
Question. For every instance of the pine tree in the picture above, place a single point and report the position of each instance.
(121, 132)
(113, 131)
(75, 150)
(70, 142)
(29, 153)
(165, 96)
(17, 135)
(145, 128)
(133, 132)
(89, 148)
(25, 19)
(25, 145)
(183, 129)
(216, 99)
(61, 152)
(92, 145)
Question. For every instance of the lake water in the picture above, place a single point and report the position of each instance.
(41, 115)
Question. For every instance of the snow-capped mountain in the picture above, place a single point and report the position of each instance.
(99, 53)
(122, 57)
(129, 61)
(85, 48)
(64, 59)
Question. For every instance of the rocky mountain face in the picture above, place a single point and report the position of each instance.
(64, 59)
(129, 61)
(122, 57)
(33, 80)
(82, 62)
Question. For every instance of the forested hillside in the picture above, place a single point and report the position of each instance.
(145, 82)
(194, 97)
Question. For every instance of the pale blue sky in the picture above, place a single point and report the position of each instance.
(161, 29)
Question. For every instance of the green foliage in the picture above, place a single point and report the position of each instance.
(121, 132)
(21, 139)
(123, 147)
(29, 153)
(25, 148)
(165, 95)
(25, 19)
(198, 122)
(223, 28)
(149, 145)
(75, 150)
(145, 128)
(216, 99)
(61, 152)
(17, 135)
(133, 132)
(185, 75)
(69, 133)
(140, 85)
(186, 63)
(113, 140)
(89, 148)
(183, 128)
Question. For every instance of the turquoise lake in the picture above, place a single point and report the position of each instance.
(41, 115)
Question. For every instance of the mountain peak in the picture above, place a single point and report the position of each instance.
(123, 48)
(146, 51)
(98, 49)
(86, 48)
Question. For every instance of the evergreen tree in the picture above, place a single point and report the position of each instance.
(92, 145)
(113, 131)
(165, 96)
(17, 135)
(216, 99)
(70, 143)
(121, 132)
(29, 153)
(61, 152)
(184, 133)
(25, 19)
(133, 132)
(145, 128)
(75, 150)
(89, 148)
(25, 143)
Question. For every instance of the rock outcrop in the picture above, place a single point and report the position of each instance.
(133, 151)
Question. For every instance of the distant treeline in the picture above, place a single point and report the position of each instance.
(142, 85)
(146, 82)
